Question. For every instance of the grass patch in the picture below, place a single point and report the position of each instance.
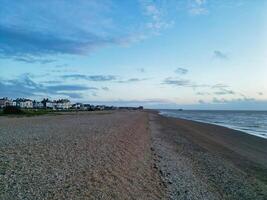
(17, 112)
(33, 112)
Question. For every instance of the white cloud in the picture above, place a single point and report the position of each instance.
(156, 16)
(198, 7)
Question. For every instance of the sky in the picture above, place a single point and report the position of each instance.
(192, 54)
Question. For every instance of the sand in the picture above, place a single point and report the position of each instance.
(127, 155)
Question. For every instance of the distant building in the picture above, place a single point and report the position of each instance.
(14, 103)
(5, 102)
(100, 107)
(23, 103)
(62, 104)
(47, 104)
(78, 106)
(37, 104)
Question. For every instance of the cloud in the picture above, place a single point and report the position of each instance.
(57, 88)
(156, 15)
(132, 80)
(31, 60)
(198, 11)
(260, 93)
(224, 91)
(220, 86)
(90, 77)
(223, 100)
(223, 104)
(202, 93)
(198, 7)
(24, 86)
(177, 82)
(105, 88)
(181, 71)
(18, 88)
(16, 43)
(51, 82)
(201, 101)
(32, 30)
(29, 32)
(183, 83)
(220, 55)
(221, 89)
(71, 95)
(55, 27)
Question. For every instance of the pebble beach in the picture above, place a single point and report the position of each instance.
(127, 155)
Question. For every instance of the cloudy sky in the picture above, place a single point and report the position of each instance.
(197, 54)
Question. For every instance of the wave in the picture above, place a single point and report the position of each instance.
(251, 122)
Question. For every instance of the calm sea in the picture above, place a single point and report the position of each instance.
(251, 122)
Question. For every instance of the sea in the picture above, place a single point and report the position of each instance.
(251, 122)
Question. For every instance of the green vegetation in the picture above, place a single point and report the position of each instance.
(15, 111)
(12, 110)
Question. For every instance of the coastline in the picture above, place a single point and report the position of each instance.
(128, 154)
(228, 164)
(225, 136)
(243, 129)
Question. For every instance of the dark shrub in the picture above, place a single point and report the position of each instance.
(12, 110)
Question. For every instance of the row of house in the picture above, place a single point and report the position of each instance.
(60, 104)
(28, 103)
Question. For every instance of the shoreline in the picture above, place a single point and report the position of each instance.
(250, 132)
(230, 133)
(226, 162)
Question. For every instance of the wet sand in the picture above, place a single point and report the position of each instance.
(128, 155)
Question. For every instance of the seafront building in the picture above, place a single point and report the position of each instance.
(5, 102)
(60, 104)
(37, 104)
(23, 103)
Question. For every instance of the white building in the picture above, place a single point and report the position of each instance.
(24, 103)
(62, 104)
(14, 103)
(79, 106)
(5, 102)
(37, 104)
(49, 104)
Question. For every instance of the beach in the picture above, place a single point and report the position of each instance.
(128, 155)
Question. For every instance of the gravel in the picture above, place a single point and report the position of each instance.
(196, 171)
(78, 156)
(127, 155)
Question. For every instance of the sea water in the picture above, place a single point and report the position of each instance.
(251, 122)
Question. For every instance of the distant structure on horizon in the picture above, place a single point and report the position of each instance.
(60, 104)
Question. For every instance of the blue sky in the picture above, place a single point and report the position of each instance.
(195, 54)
